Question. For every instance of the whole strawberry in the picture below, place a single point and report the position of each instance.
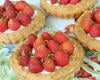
(46, 36)
(9, 13)
(24, 19)
(95, 30)
(42, 52)
(97, 16)
(35, 65)
(24, 49)
(53, 1)
(60, 37)
(24, 60)
(64, 2)
(13, 24)
(20, 5)
(3, 25)
(38, 42)
(49, 65)
(28, 10)
(8, 3)
(53, 46)
(31, 39)
(74, 1)
(67, 47)
(87, 22)
(61, 58)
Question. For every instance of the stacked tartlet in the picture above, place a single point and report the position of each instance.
(87, 29)
(47, 57)
(67, 8)
(19, 20)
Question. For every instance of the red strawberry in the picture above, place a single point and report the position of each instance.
(9, 13)
(20, 5)
(3, 25)
(24, 19)
(74, 1)
(8, 3)
(64, 2)
(42, 52)
(53, 46)
(67, 47)
(61, 58)
(46, 36)
(53, 1)
(1, 11)
(35, 65)
(49, 65)
(97, 16)
(24, 60)
(95, 30)
(38, 42)
(28, 10)
(25, 49)
(14, 24)
(60, 37)
(87, 22)
(31, 39)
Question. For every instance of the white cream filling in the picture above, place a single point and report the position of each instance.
(49, 2)
(97, 38)
(21, 27)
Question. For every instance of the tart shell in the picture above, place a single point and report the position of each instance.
(17, 36)
(64, 73)
(84, 38)
(67, 11)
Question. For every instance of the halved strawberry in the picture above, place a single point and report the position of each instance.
(96, 16)
(46, 36)
(95, 30)
(24, 60)
(3, 25)
(49, 65)
(31, 39)
(67, 47)
(24, 49)
(53, 46)
(20, 5)
(53, 1)
(61, 58)
(42, 52)
(60, 37)
(13, 24)
(38, 42)
(64, 2)
(87, 22)
(74, 1)
(35, 65)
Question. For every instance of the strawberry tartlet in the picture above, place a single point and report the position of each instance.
(67, 8)
(47, 57)
(18, 20)
(87, 29)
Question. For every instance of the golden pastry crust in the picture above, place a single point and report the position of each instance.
(65, 73)
(84, 38)
(67, 11)
(36, 24)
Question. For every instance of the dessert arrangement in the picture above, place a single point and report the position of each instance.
(87, 29)
(36, 53)
(67, 8)
(46, 57)
(19, 20)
